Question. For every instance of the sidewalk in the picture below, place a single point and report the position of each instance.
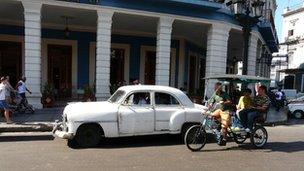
(42, 120)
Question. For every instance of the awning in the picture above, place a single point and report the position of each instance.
(292, 71)
(269, 35)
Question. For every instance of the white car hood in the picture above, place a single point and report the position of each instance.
(203, 108)
(91, 111)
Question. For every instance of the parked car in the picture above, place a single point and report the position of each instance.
(297, 100)
(296, 109)
(130, 111)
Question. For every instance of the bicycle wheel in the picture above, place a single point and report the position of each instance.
(259, 136)
(30, 109)
(195, 138)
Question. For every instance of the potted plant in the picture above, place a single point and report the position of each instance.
(48, 95)
(88, 94)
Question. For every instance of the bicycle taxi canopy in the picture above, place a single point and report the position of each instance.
(238, 78)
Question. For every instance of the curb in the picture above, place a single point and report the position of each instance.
(37, 127)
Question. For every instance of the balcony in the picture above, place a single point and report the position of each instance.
(193, 2)
(207, 9)
(268, 31)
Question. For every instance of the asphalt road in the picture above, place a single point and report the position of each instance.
(33, 151)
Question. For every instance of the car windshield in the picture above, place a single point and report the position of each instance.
(116, 96)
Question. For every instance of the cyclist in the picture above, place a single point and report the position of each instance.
(219, 97)
(225, 118)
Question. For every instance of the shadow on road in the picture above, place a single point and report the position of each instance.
(292, 122)
(141, 141)
(26, 138)
(287, 147)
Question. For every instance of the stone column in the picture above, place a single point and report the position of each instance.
(217, 44)
(32, 48)
(258, 65)
(103, 53)
(163, 50)
(252, 55)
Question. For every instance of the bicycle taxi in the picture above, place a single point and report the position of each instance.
(196, 136)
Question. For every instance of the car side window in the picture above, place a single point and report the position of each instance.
(138, 99)
(165, 99)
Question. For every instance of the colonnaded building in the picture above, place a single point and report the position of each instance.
(288, 65)
(75, 43)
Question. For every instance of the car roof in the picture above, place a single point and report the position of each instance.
(183, 98)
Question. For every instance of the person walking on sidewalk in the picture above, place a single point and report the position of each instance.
(9, 91)
(3, 104)
(22, 89)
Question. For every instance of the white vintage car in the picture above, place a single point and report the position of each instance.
(130, 111)
(296, 109)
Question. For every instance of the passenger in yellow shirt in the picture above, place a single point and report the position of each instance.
(245, 101)
(245, 104)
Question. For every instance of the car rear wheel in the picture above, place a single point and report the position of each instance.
(298, 114)
(88, 135)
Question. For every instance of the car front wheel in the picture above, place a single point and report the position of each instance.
(88, 135)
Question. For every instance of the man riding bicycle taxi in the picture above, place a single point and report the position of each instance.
(223, 112)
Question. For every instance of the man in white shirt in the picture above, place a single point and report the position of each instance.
(3, 104)
(279, 99)
(22, 89)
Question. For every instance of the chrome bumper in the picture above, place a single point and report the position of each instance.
(58, 132)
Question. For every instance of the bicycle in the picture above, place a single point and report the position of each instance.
(196, 136)
(21, 105)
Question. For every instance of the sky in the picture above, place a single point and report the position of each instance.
(278, 18)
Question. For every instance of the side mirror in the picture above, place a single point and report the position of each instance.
(125, 103)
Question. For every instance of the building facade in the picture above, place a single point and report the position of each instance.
(288, 64)
(76, 43)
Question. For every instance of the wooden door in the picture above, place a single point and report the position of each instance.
(150, 63)
(117, 66)
(11, 60)
(60, 69)
(192, 73)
